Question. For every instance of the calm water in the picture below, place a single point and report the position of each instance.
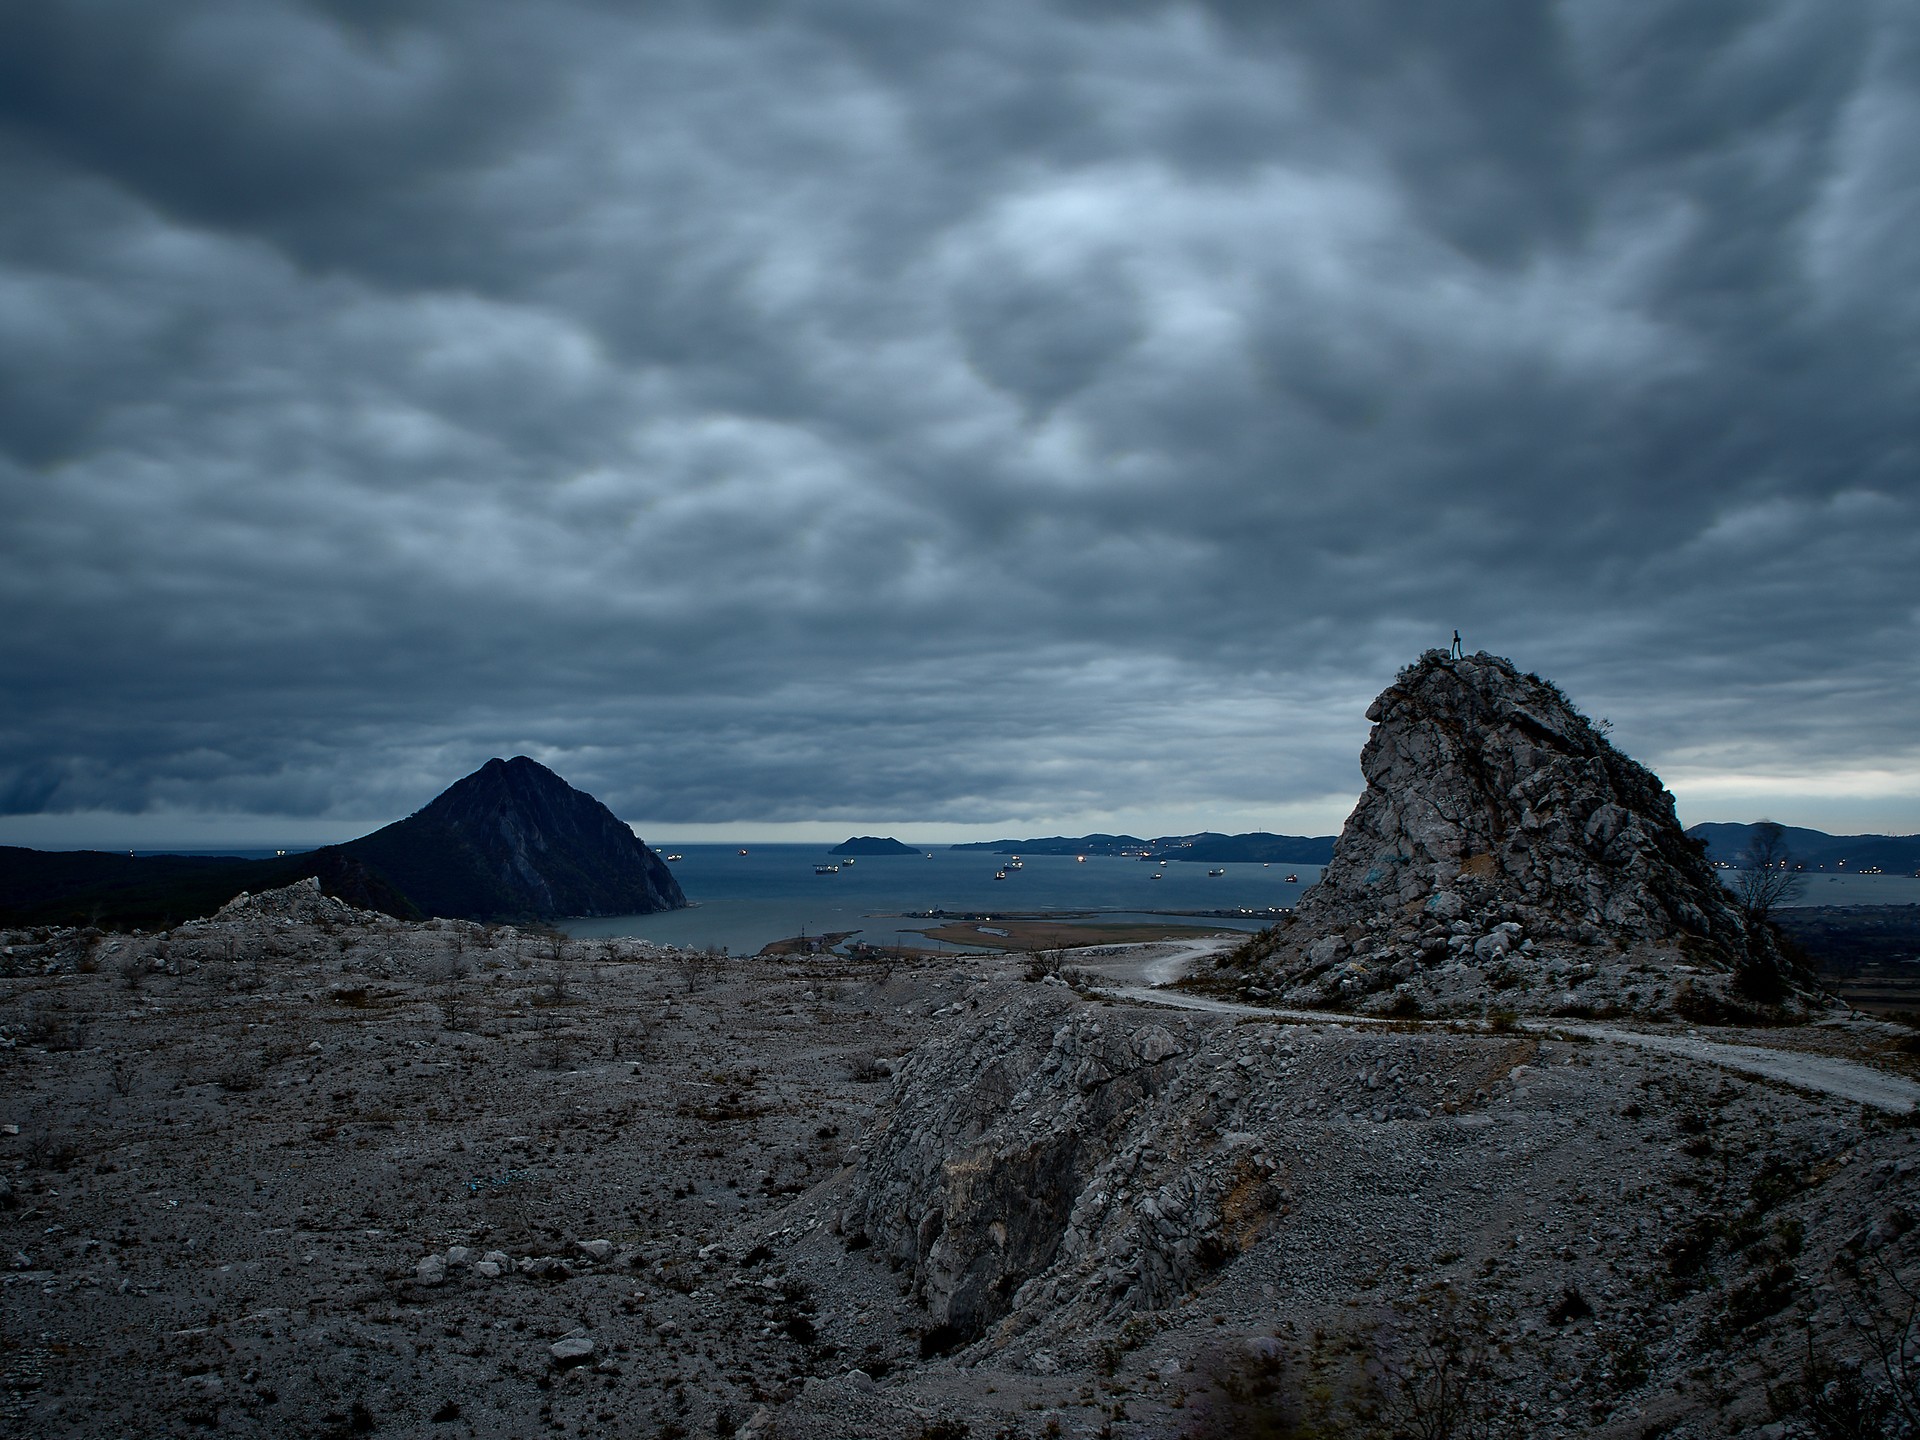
(1824, 889)
(745, 901)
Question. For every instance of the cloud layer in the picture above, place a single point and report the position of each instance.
(780, 411)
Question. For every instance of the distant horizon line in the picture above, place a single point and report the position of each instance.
(274, 844)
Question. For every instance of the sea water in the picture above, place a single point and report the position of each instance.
(742, 902)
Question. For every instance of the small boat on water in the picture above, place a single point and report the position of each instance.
(847, 861)
(1158, 875)
(676, 857)
(1293, 879)
(743, 849)
(999, 874)
(1016, 863)
(1216, 872)
(826, 869)
(1081, 858)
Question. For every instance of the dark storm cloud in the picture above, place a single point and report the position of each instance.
(786, 410)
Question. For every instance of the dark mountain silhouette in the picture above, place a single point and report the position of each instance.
(1096, 844)
(512, 841)
(1257, 845)
(1815, 849)
(872, 845)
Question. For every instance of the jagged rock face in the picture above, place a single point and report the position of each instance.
(513, 839)
(1051, 1169)
(1011, 1149)
(1497, 817)
(1478, 773)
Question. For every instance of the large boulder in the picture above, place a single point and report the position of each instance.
(1010, 1167)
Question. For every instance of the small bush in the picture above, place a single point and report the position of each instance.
(1571, 1305)
(1688, 1252)
(1753, 1300)
(1758, 979)
(944, 1338)
(1041, 964)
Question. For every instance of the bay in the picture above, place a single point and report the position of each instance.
(742, 902)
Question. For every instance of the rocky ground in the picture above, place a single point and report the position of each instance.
(303, 1171)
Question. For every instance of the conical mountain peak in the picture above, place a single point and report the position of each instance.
(514, 839)
(1504, 854)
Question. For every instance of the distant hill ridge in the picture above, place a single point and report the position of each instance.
(512, 841)
(1210, 846)
(1815, 849)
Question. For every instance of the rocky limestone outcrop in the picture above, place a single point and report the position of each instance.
(1500, 829)
(1051, 1149)
(1052, 1170)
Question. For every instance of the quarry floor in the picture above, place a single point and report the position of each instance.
(283, 1178)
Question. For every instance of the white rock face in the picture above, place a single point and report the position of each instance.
(977, 1192)
(1480, 775)
(1500, 828)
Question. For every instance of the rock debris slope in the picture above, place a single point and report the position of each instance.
(301, 1170)
(1070, 1188)
(1002, 1176)
(1504, 853)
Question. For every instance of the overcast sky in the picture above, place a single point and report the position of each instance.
(790, 418)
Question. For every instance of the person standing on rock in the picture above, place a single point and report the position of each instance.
(1459, 651)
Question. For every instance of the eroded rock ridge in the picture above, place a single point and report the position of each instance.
(1505, 852)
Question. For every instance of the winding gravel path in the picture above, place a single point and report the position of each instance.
(1160, 965)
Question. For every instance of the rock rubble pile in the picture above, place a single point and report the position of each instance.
(302, 902)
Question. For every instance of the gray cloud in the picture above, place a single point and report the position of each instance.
(771, 411)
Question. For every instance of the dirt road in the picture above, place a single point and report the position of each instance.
(1156, 966)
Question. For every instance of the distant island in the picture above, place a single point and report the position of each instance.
(512, 841)
(1062, 845)
(1209, 846)
(873, 845)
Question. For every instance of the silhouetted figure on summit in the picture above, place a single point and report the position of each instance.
(1459, 651)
